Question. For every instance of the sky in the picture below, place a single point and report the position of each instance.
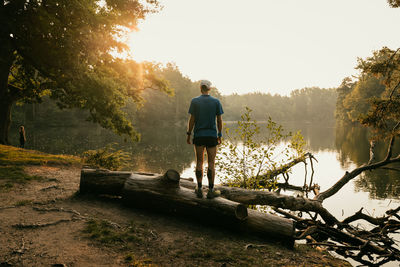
(270, 46)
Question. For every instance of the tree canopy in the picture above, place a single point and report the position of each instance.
(394, 3)
(62, 48)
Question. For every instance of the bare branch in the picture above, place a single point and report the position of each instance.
(361, 216)
(371, 151)
(283, 169)
(393, 90)
(354, 173)
(390, 148)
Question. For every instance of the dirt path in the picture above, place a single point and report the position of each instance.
(45, 223)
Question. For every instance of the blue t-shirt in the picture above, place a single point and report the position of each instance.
(205, 108)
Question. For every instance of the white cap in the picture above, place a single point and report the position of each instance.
(206, 83)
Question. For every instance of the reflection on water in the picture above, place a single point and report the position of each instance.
(160, 148)
(165, 148)
(352, 146)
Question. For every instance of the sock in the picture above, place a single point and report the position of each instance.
(209, 176)
(199, 177)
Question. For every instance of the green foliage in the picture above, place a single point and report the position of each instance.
(248, 154)
(62, 49)
(313, 104)
(384, 115)
(303, 105)
(358, 101)
(160, 109)
(106, 157)
(394, 3)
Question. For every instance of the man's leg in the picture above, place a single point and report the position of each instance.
(211, 153)
(199, 151)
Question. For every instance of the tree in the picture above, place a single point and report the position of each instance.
(358, 101)
(384, 115)
(314, 104)
(343, 90)
(62, 48)
(394, 3)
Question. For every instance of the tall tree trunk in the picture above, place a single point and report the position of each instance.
(5, 120)
(6, 97)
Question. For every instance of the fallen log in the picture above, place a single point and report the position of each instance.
(101, 181)
(258, 197)
(163, 193)
(244, 196)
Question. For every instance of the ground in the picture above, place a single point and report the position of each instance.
(45, 222)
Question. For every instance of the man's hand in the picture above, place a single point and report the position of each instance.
(219, 140)
(188, 140)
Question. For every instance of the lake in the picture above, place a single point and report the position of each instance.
(337, 149)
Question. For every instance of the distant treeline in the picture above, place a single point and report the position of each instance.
(312, 104)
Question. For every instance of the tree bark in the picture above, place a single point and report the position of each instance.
(257, 197)
(5, 120)
(169, 194)
(99, 181)
(163, 193)
(6, 99)
(96, 181)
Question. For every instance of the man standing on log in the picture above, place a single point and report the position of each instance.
(204, 110)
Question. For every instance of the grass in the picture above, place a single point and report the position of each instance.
(106, 233)
(10, 155)
(10, 175)
(124, 238)
(23, 202)
(13, 160)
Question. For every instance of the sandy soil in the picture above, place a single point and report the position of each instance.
(42, 224)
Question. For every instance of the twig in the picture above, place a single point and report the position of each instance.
(22, 249)
(7, 207)
(59, 210)
(254, 246)
(334, 245)
(40, 225)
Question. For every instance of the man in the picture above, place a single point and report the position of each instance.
(204, 110)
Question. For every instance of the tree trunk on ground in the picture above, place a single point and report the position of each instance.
(257, 197)
(166, 193)
(97, 182)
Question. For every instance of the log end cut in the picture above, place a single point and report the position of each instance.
(241, 212)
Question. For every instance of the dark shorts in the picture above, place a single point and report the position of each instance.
(205, 141)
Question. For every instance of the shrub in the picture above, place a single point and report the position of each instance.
(106, 157)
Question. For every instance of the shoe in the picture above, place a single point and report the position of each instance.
(199, 192)
(212, 193)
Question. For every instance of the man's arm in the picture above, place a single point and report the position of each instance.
(219, 127)
(190, 128)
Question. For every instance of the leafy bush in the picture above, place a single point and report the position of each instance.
(106, 157)
(249, 157)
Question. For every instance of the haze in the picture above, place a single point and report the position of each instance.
(264, 45)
